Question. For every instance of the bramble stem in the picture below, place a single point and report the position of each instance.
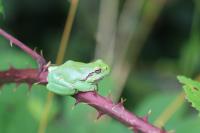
(102, 104)
(117, 111)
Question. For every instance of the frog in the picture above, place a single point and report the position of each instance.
(73, 77)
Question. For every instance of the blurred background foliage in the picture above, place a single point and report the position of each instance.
(146, 42)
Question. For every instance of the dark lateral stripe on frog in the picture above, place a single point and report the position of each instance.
(89, 75)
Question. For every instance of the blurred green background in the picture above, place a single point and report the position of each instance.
(146, 42)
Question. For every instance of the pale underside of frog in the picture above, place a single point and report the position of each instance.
(73, 77)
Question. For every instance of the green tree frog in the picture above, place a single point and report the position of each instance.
(72, 77)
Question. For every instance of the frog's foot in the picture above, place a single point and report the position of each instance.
(76, 91)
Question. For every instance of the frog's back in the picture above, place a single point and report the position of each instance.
(71, 70)
(73, 64)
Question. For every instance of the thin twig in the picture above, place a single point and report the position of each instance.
(67, 31)
(59, 60)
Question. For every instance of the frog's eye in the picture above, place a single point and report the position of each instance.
(97, 71)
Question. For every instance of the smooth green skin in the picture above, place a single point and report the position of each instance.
(72, 77)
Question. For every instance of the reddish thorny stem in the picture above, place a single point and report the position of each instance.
(102, 104)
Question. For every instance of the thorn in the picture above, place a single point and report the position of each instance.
(36, 83)
(45, 67)
(100, 114)
(30, 86)
(145, 118)
(149, 112)
(121, 103)
(11, 43)
(95, 93)
(35, 49)
(48, 64)
(41, 53)
(77, 102)
(122, 100)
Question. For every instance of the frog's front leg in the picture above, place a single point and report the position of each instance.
(84, 86)
(97, 87)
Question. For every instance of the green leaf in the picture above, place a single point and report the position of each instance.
(192, 90)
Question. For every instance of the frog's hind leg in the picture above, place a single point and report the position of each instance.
(61, 90)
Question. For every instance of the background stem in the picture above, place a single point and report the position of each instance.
(59, 60)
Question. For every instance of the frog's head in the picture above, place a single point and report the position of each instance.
(99, 70)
